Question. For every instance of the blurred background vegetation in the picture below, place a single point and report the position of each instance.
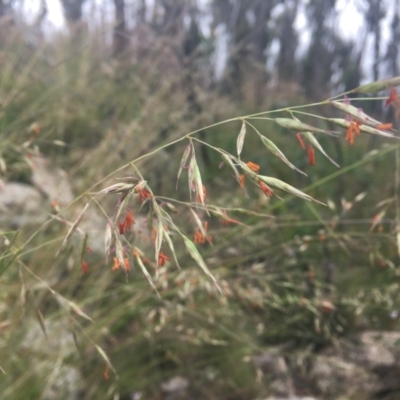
(121, 78)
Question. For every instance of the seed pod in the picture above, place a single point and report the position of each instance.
(248, 171)
(240, 139)
(159, 238)
(275, 151)
(117, 188)
(198, 222)
(357, 113)
(171, 247)
(194, 253)
(108, 236)
(228, 161)
(316, 144)
(378, 132)
(378, 86)
(345, 124)
(286, 187)
(297, 126)
(146, 274)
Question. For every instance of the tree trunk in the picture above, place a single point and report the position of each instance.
(120, 34)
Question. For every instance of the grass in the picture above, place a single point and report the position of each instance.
(292, 271)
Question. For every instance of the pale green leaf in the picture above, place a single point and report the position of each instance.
(316, 144)
(240, 139)
(194, 253)
(271, 146)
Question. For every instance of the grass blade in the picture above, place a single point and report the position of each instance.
(184, 159)
(73, 228)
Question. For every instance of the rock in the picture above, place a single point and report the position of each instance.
(379, 352)
(50, 181)
(94, 225)
(273, 366)
(23, 205)
(20, 205)
(357, 368)
(65, 385)
(376, 350)
(53, 183)
(366, 366)
(175, 384)
(332, 376)
(175, 387)
(48, 355)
